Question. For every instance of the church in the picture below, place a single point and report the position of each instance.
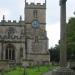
(25, 42)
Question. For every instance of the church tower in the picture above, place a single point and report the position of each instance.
(25, 42)
(35, 32)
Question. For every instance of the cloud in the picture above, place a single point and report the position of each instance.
(36, 1)
(20, 3)
(5, 12)
(14, 8)
(70, 8)
(53, 31)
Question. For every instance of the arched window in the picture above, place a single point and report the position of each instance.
(35, 13)
(21, 52)
(10, 52)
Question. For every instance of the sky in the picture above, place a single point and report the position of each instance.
(12, 9)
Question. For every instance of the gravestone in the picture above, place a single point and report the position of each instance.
(63, 71)
(4, 65)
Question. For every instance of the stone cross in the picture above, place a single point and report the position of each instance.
(62, 2)
(63, 69)
(63, 56)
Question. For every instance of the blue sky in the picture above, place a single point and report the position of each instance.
(12, 9)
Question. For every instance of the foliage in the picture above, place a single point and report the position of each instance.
(37, 70)
(71, 39)
(55, 53)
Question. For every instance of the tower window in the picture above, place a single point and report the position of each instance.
(36, 38)
(35, 13)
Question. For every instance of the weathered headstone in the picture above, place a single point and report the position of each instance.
(4, 65)
(63, 71)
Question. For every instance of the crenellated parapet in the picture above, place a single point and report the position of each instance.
(33, 5)
(9, 22)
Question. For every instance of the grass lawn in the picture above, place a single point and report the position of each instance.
(38, 70)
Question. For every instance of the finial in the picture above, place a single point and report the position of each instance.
(20, 18)
(74, 12)
(25, 1)
(45, 1)
(3, 17)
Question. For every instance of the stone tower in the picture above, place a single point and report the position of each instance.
(25, 42)
(35, 31)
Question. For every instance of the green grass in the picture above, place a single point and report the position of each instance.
(37, 70)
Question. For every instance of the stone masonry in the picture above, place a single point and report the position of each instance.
(25, 42)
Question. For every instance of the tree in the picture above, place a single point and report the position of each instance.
(54, 54)
(71, 39)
